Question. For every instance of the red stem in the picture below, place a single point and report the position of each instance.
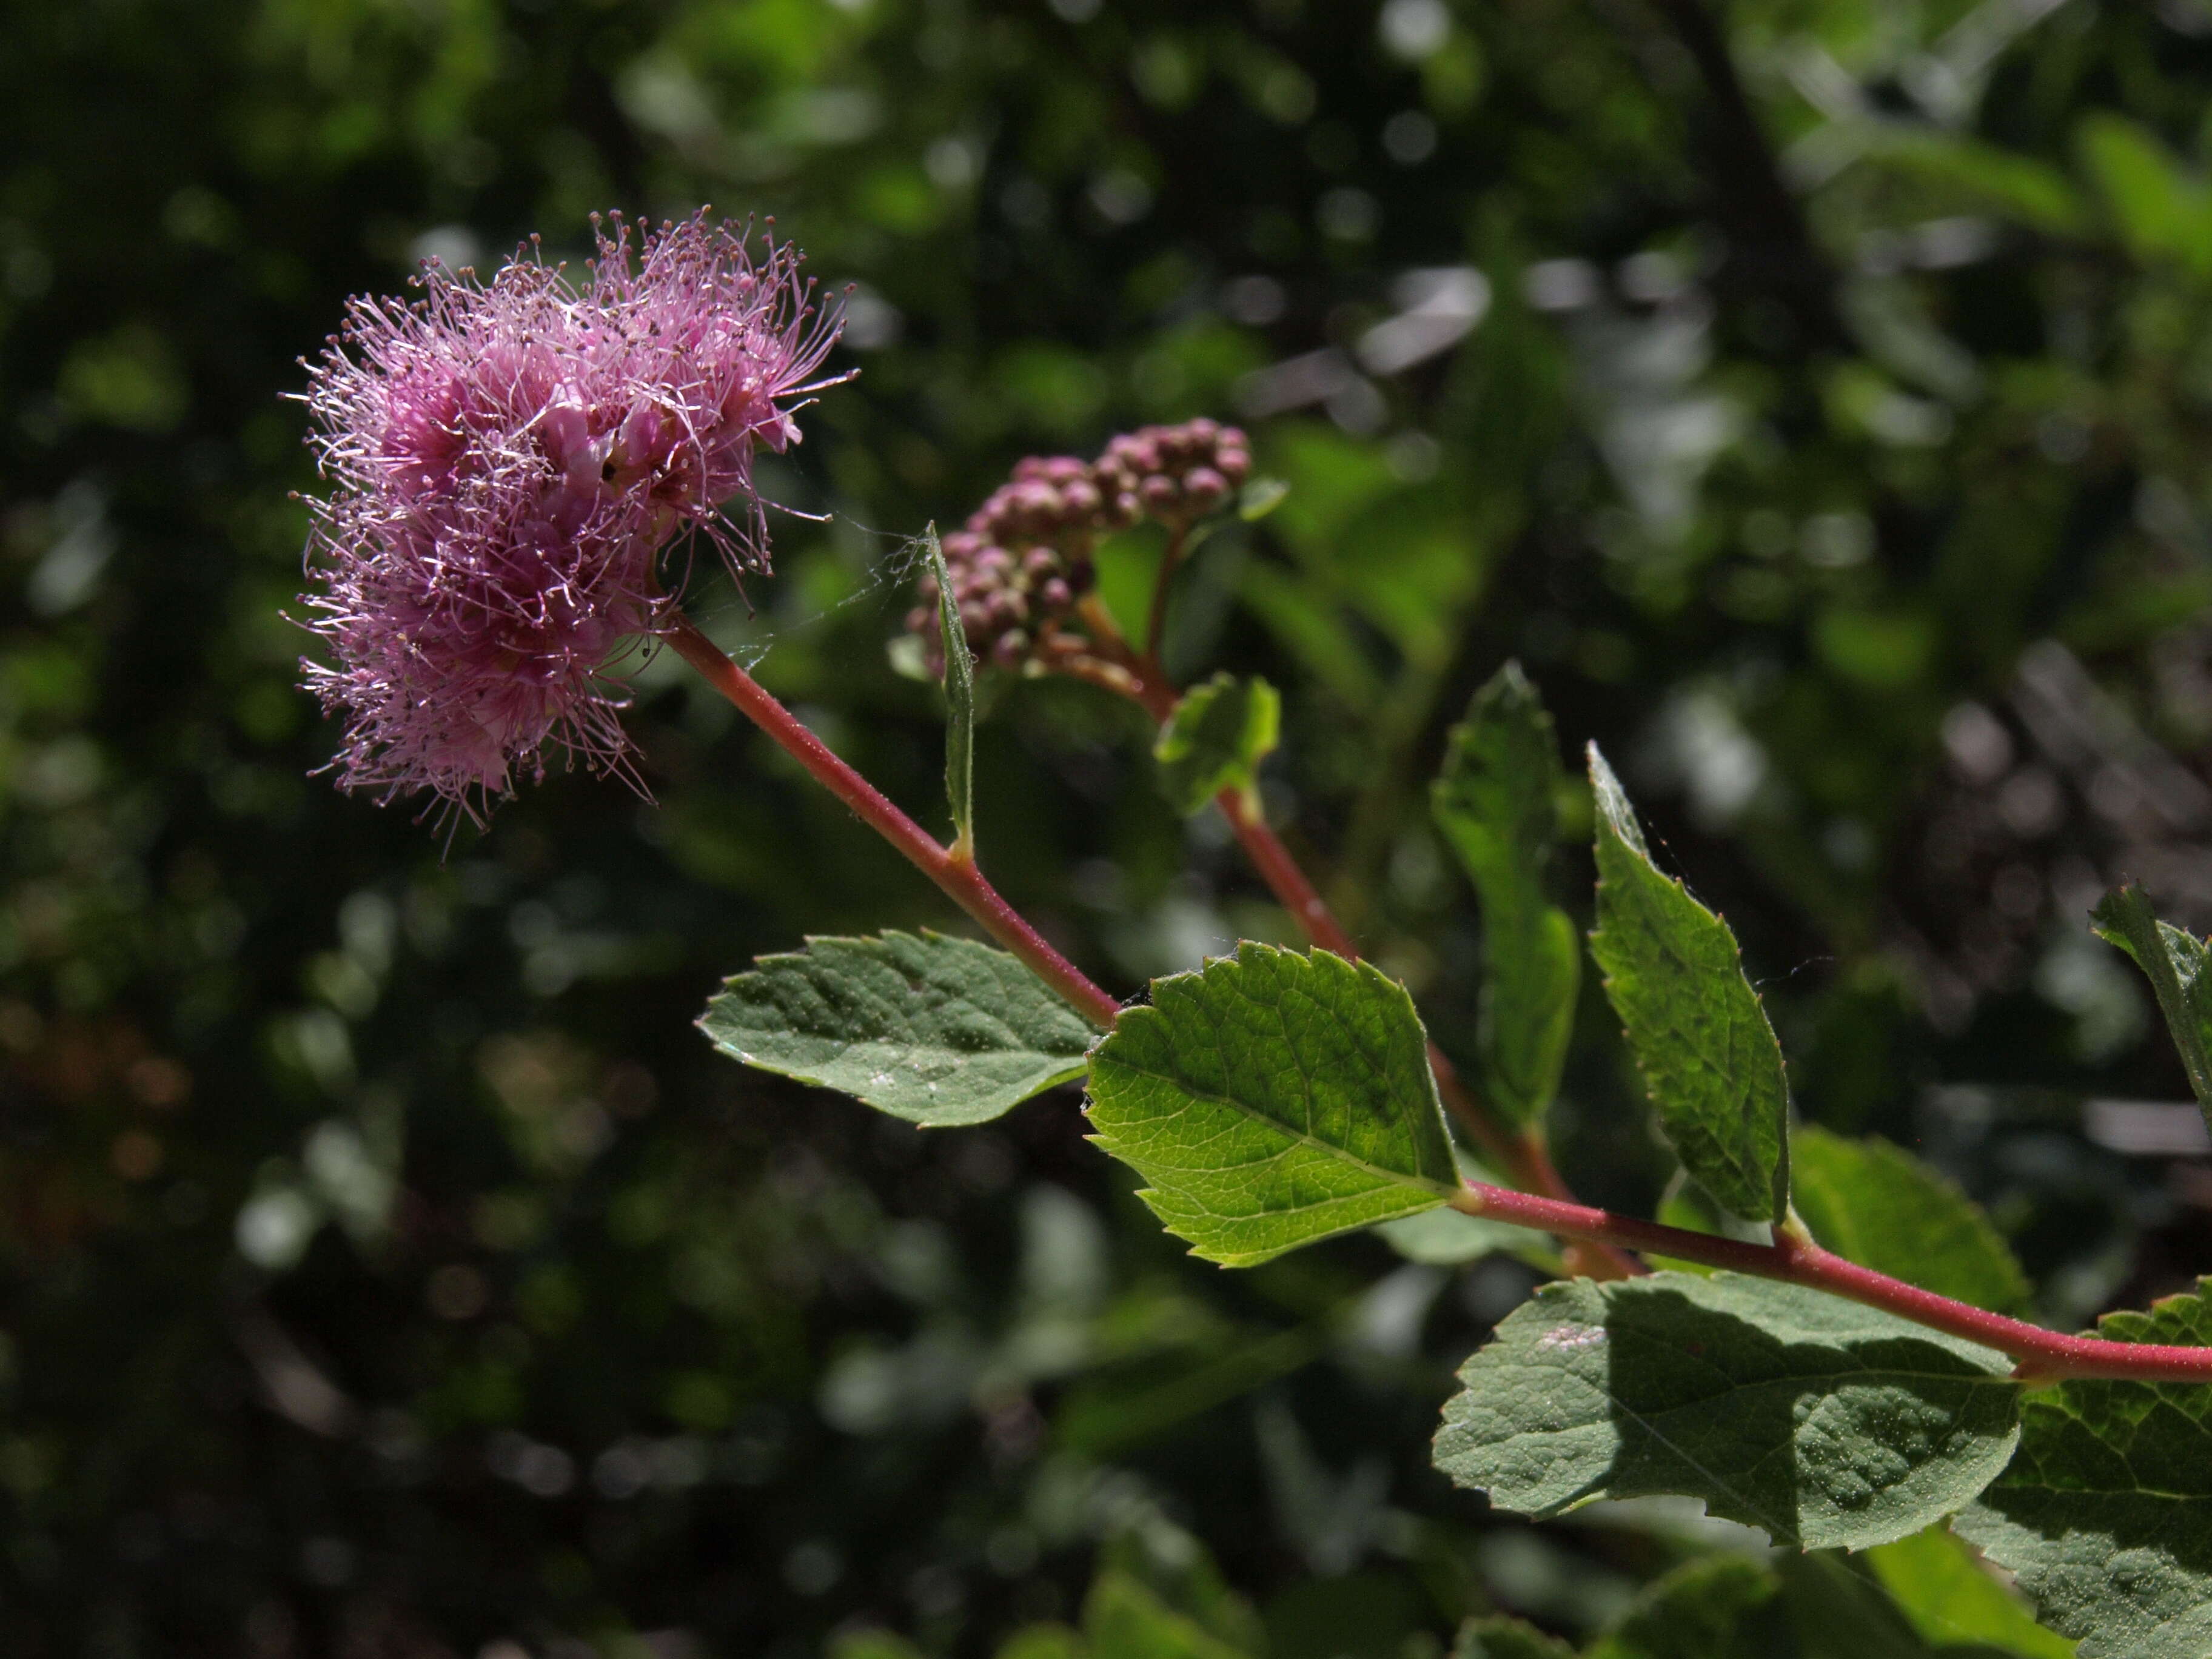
(962, 881)
(2043, 1355)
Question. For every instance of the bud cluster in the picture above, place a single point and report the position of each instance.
(1023, 561)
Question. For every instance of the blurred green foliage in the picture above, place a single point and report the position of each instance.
(1815, 398)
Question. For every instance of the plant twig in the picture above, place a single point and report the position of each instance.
(2042, 1355)
(1520, 1154)
(957, 875)
(1156, 625)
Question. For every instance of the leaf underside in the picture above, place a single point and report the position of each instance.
(940, 1031)
(1821, 1421)
(1702, 1041)
(1494, 802)
(1274, 1098)
(2106, 1513)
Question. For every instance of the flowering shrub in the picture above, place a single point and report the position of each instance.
(1818, 1339)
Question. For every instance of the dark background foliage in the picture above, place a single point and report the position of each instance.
(390, 1269)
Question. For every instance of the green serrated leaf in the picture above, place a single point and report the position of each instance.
(1821, 1421)
(936, 1031)
(1709, 1058)
(2106, 1513)
(1502, 1637)
(1713, 1608)
(1495, 804)
(1949, 1597)
(2175, 962)
(959, 701)
(1877, 1204)
(1216, 738)
(1274, 1098)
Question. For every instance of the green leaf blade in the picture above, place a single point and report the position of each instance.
(940, 1031)
(1274, 1098)
(1494, 802)
(2106, 1515)
(1709, 1058)
(2175, 962)
(1216, 738)
(1951, 1599)
(1825, 1423)
(959, 700)
(1876, 1204)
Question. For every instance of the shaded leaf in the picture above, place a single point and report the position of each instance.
(2106, 1513)
(1821, 1421)
(1501, 1637)
(936, 1030)
(959, 699)
(1494, 802)
(1274, 1098)
(1713, 1608)
(1700, 1037)
(1124, 1619)
(1448, 1237)
(2024, 190)
(1838, 1610)
(1942, 1588)
(1877, 1204)
(2175, 961)
(1216, 738)
(2161, 209)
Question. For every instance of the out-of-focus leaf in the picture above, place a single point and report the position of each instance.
(1821, 1421)
(1883, 1208)
(1446, 1238)
(1124, 1619)
(936, 1031)
(1838, 1610)
(1042, 1642)
(1274, 1098)
(1260, 497)
(2024, 190)
(1950, 1597)
(2106, 1513)
(2175, 961)
(2162, 210)
(1493, 802)
(1502, 1637)
(1713, 1608)
(1700, 1037)
(1216, 738)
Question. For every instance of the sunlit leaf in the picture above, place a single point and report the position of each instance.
(936, 1030)
(1274, 1098)
(1700, 1037)
(2175, 962)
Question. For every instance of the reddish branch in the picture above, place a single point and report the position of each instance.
(957, 875)
(2042, 1355)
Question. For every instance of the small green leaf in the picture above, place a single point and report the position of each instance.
(1274, 1098)
(1713, 1608)
(1879, 1205)
(2174, 963)
(936, 1031)
(1824, 1422)
(1494, 802)
(1500, 1637)
(2160, 207)
(2106, 1513)
(1260, 497)
(1216, 738)
(1701, 1039)
(959, 701)
(1949, 1597)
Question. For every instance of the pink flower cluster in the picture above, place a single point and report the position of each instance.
(507, 461)
(1023, 560)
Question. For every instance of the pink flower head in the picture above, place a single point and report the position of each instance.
(507, 461)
